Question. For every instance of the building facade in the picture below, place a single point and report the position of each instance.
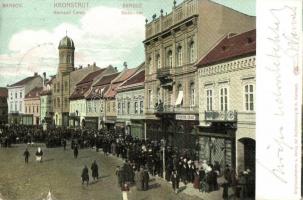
(46, 104)
(78, 102)
(66, 79)
(130, 104)
(227, 88)
(110, 109)
(3, 106)
(96, 107)
(172, 45)
(16, 95)
(32, 107)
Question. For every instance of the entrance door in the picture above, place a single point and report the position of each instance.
(247, 149)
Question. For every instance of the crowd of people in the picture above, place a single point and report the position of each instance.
(142, 158)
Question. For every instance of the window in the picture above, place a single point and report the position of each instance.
(158, 95)
(108, 107)
(128, 107)
(141, 107)
(136, 107)
(16, 106)
(179, 100)
(11, 106)
(149, 99)
(37, 109)
(123, 107)
(119, 108)
(65, 86)
(11, 95)
(169, 59)
(65, 102)
(20, 106)
(25, 109)
(223, 99)
(89, 107)
(179, 56)
(150, 65)
(54, 103)
(192, 94)
(16, 95)
(55, 88)
(209, 100)
(58, 87)
(29, 109)
(20, 94)
(95, 106)
(158, 61)
(249, 97)
(114, 106)
(192, 52)
(58, 102)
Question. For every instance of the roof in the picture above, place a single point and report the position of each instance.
(3, 92)
(80, 91)
(24, 81)
(90, 77)
(34, 93)
(125, 74)
(107, 79)
(50, 81)
(231, 47)
(112, 91)
(45, 92)
(66, 42)
(137, 78)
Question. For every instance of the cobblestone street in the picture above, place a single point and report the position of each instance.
(60, 173)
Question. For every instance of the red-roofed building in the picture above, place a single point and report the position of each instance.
(32, 107)
(3, 105)
(16, 95)
(110, 98)
(227, 92)
(130, 104)
(78, 99)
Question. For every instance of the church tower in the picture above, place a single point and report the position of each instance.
(66, 55)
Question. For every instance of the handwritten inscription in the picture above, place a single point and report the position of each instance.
(282, 43)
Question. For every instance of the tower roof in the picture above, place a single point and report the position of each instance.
(66, 43)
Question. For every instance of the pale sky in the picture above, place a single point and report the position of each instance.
(103, 33)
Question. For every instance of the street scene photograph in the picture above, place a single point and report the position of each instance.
(127, 100)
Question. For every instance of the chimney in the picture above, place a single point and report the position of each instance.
(35, 74)
(125, 65)
(44, 78)
(116, 69)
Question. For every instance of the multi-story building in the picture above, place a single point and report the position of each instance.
(95, 100)
(3, 106)
(130, 96)
(46, 104)
(110, 107)
(16, 95)
(173, 42)
(78, 102)
(66, 79)
(32, 107)
(227, 88)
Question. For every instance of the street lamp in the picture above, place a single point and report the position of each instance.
(163, 151)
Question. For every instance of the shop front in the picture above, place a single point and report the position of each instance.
(27, 119)
(137, 129)
(110, 123)
(74, 120)
(91, 123)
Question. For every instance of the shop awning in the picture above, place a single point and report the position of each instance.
(179, 98)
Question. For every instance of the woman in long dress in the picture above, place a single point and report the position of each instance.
(39, 154)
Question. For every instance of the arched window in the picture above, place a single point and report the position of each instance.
(158, 59)
(169, 59)
(179, 56)
(192, 52)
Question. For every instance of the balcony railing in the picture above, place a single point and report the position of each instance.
(175, 109)
(228, 116)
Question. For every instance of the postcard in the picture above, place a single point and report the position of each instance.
(138, 99)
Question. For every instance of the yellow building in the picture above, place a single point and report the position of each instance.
(32, 107)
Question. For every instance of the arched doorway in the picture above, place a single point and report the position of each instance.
(246, 154)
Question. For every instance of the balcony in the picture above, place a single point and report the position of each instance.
(166, 109)
(221, 116)
(165, 77)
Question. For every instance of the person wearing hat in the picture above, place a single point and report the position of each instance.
(85, 175)
(26, 155)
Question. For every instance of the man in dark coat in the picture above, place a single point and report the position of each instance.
(175, 180)
(64, 144)
(76, 151)
(26, 155)
(139, 180)
(85, 175)
(94, 168)
(120, 176)
(145, 179)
